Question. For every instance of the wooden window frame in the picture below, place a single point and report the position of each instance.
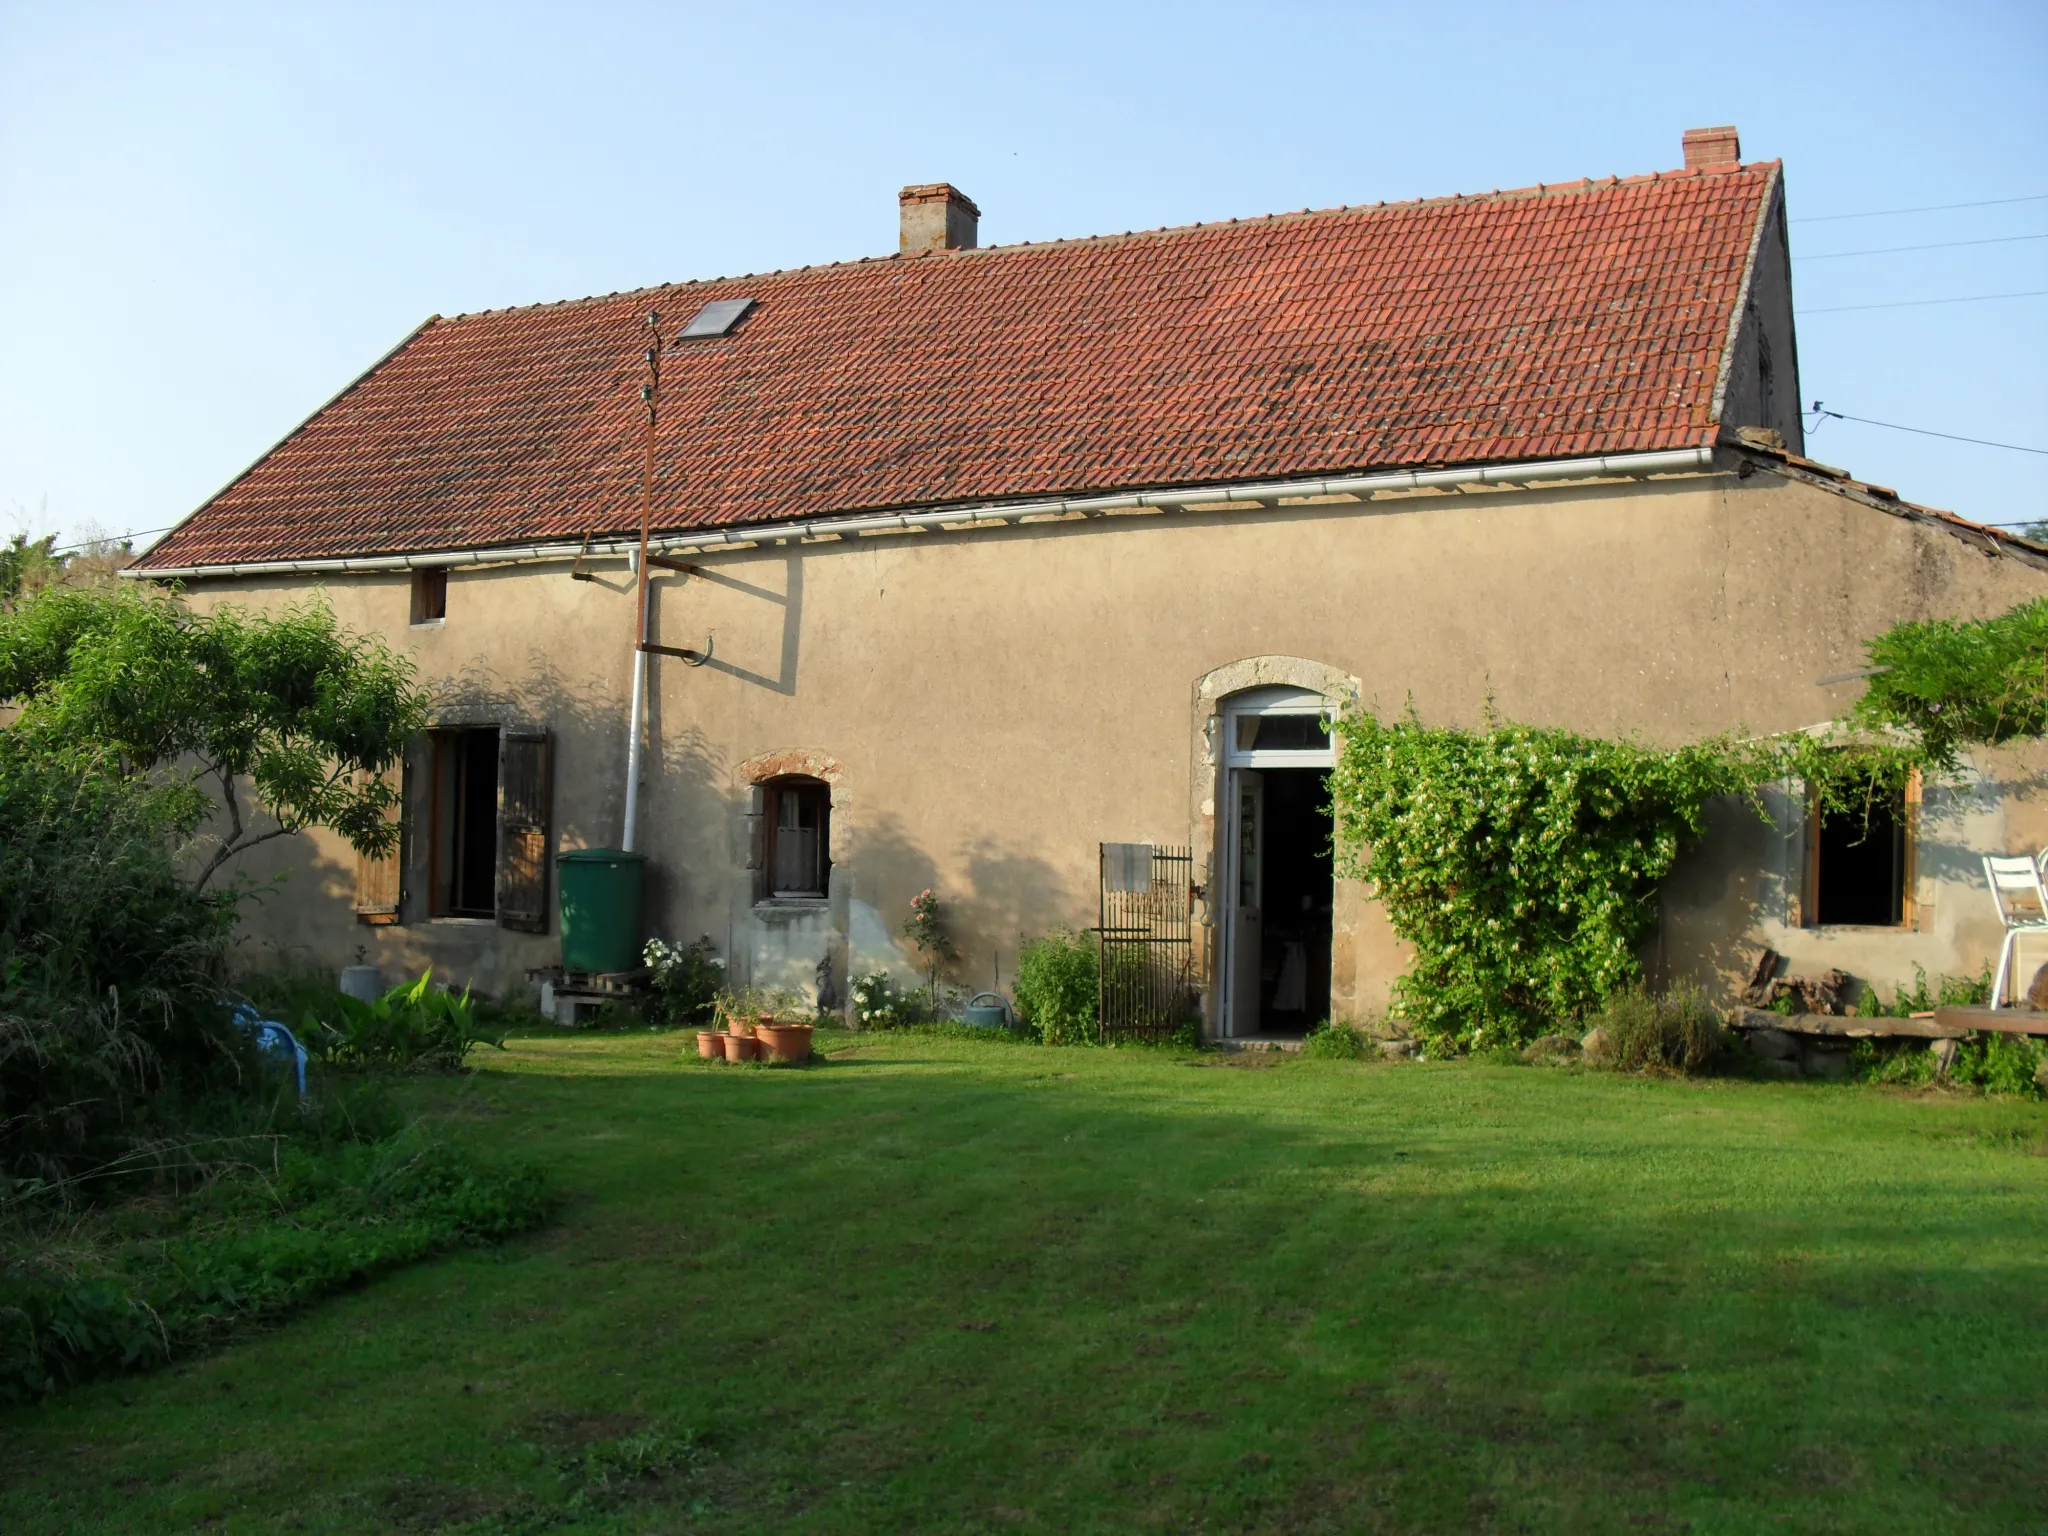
(763, 816)
(1910, 912)
(429, 595)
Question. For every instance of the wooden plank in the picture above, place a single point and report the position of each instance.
(1947, 1023)
(2003, 1021)
(1849, 1027)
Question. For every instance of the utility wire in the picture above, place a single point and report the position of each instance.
(1973, 298)
(1939, 245)
(113, 539)
(1981, 442)
(1886, 213)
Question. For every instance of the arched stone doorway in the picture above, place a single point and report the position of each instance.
(1270, 903)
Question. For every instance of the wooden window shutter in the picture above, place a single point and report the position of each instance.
(757, 840)
(522, 886)
(379, 886)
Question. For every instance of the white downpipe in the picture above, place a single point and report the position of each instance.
(1251, 497)
(636, 716)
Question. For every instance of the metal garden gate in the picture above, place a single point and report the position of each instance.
(1147, 926)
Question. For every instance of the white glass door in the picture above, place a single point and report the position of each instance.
(1247, 843)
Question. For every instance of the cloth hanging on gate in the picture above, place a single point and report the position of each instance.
(1127, 866)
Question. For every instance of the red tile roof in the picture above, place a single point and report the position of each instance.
(1578, 319)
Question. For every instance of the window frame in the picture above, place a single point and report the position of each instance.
(429, 596)
(1908, 864)
(448, 752)
(771, 795)
(1267, 703)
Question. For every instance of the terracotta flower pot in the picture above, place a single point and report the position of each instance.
(740, 1047)
(710, 1045)
(786, 1042)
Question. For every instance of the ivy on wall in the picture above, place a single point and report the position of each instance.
(1520, 863)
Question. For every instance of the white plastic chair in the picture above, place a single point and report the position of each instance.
(2010, 879)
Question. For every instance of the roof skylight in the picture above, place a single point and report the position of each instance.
(716, 319)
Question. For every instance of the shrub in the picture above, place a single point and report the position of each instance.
(878, 1003)
(687, 980)
(2001, 1064)
(1678, 1031)
(109, 961)
(1058, 981)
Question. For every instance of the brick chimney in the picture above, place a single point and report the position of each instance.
(1708, 149)
(938, 217)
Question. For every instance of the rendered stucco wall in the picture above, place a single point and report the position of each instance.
(1000, 702)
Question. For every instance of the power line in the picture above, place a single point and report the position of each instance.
(1981, 442)
(1939, 245)
(113, 539)
(1973, 298)
(1886, 213)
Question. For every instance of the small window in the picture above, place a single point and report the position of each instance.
(463, 822)
(1857, 861)
(1282, 733)
(797, 816)
(430, 594)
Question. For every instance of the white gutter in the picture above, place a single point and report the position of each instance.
(1265, 496)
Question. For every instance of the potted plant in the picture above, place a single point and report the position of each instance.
(784, 1038)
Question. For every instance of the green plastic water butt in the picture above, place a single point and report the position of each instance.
(600, 909)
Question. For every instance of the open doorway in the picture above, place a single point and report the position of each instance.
(1281, 875)
(1300, 887)
(463, 829)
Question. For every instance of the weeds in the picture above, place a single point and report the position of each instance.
(279, 1221)
(1640, 1031)
(1337, 1041)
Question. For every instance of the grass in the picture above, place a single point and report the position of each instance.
(944, 1285)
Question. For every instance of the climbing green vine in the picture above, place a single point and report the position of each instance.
(1521, 864)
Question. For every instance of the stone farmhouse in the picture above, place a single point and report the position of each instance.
(1029, 574)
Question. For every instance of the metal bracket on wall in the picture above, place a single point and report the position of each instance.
(668, 564)
(576, 571)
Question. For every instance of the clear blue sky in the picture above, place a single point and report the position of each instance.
(216, 215)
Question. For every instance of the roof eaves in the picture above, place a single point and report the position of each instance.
(1995, 542)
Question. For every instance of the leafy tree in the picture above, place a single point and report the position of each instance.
(27, 563)
(309, 715)
(1952, 683)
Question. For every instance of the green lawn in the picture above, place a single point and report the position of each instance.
(946, 1286)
